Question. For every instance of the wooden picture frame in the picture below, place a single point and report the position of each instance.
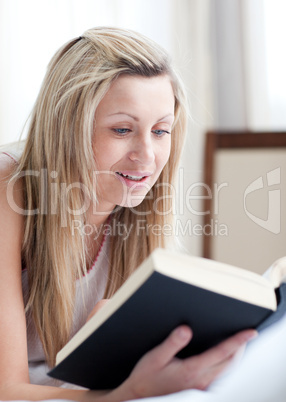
(259, 145)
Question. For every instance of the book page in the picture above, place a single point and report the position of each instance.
(277, 272)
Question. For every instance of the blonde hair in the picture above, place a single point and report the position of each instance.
(60, 141)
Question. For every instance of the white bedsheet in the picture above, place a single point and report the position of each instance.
(259, 377)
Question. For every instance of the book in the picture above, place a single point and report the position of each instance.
(168, 289)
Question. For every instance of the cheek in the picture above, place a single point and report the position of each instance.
(104, 155)
(164, 154)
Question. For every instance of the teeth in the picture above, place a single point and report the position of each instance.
(136, 178)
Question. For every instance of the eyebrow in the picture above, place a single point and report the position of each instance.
(136, 118)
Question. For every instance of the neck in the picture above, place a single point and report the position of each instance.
(98, 214)
(94, 233)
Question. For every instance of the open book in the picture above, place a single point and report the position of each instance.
(169, 289)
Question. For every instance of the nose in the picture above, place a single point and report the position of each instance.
(143, 150)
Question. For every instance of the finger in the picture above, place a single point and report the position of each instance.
(207, 377)
(228, 347)
(225, 349)
(165, 352)
(100, 304)
(97, 307)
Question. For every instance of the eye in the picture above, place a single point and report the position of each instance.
(121, 131)
(160, 133)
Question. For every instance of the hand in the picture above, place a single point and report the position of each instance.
(159, 372)
(97, 307)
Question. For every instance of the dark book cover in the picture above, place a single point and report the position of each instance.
(106, 358)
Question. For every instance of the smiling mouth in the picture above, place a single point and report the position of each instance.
(129, 177)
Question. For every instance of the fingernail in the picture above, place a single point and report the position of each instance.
(250, 335)
(182, 333)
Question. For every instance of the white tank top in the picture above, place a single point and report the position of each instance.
(92, 286)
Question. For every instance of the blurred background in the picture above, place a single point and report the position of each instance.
(229, 53)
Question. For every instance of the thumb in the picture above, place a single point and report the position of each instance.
(97, 307)
(177, 340)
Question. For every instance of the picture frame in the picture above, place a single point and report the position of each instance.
(245, 200)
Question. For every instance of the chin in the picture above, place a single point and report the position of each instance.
(133, 203)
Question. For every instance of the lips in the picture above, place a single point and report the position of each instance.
(132, 179)
(134, 175)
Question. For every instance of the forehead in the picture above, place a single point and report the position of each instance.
(139, 93)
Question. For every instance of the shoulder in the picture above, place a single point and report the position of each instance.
(7, 163)
(9, 158)
(12, 151)
(8, 166)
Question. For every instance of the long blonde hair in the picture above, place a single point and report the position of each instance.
(59, 145)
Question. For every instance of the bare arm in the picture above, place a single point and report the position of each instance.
(13, 348)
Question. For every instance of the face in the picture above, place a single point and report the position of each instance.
(132, 139)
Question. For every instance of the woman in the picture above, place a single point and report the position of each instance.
(99, 154)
